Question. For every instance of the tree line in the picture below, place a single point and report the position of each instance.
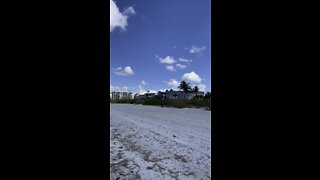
(197, 101)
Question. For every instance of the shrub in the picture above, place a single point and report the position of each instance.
(177, 103)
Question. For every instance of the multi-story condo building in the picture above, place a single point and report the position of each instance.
(121, 95)
(178, 94)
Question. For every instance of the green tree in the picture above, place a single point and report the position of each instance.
(196, 90)
(185, 87)
(207, 95)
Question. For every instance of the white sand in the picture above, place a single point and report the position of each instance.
(149, 142)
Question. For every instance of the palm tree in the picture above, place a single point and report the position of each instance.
(184, 86)
(196, 90)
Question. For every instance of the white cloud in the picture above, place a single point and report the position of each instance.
(184, 60)
(173, 83)
(118, 19)
(127, 71)
(202, 87)
(141, 86)
(195, 50)
(170, 68)
(143, 83)
(162, 90)
(118, 89)
(129, 11)
(192, 77)
(141, 89)
(180, 66)
(167, 60)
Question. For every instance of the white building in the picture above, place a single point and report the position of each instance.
(121, 95)
(168, 94)
(178, 94)
(147, 95)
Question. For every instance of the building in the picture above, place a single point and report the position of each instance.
(121, 95)
(178, 94)
(148, 95)
(168, 94)
(139, 96)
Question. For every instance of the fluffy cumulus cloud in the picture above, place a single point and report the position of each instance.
(118, 89)
(195, 49)
(118, 19)
(192, 77)
(180, 66)
(127, 71)
(202, 87)
(170, 68)
(167, 60)
(170, 61)
(184, 60)
(173, 83)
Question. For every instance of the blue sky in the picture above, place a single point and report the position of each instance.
(154, 45)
